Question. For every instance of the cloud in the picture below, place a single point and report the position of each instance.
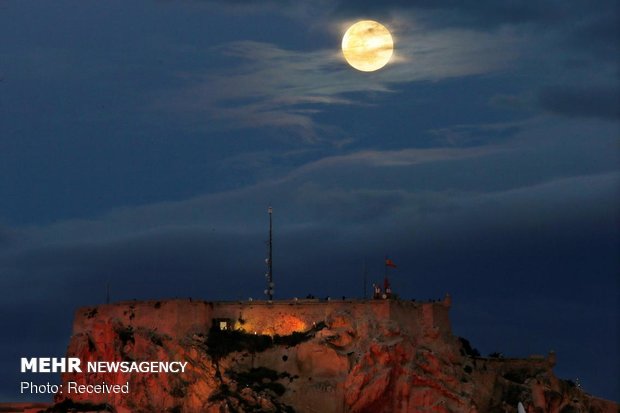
(487, 14)
(5, 236)
(360, 187)
(425, 178)
(436, 40)
(594, 102)
(286, 89)
(473, 135)
(236, 210)
(594, 30)
(490, 14)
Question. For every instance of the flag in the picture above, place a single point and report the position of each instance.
(389, 263)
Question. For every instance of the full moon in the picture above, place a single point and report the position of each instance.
(367, 45)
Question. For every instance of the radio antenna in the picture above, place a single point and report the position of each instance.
(269, 291)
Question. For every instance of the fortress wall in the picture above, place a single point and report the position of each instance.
(441, 317)
(285, 317)
(173, 317)
(179, 317)
(409, 316)
(422, 318)
(502, 365)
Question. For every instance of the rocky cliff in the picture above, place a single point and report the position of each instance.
(306, 356)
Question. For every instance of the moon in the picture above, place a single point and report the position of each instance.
(367, 45)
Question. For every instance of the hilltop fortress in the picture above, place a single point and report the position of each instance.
(323, 356)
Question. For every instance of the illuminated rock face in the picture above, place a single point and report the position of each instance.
(308, 356)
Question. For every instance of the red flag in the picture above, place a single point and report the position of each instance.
(389, 263)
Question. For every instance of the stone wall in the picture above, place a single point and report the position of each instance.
(180, 317)
(171, 317)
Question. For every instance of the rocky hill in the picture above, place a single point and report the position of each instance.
(307, 356)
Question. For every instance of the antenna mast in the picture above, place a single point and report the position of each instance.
(270, 285)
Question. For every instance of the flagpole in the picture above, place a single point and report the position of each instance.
(386, 282)
(385, 270)
(385, 278)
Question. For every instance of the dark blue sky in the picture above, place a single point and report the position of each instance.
(141, 142)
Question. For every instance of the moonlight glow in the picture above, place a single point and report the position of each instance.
(367, 45)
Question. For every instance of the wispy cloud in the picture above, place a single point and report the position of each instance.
(272, 87)
(232, 209)
(282, 89)
(594, 102)
(365, 181)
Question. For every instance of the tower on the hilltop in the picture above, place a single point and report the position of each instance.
(269, 260)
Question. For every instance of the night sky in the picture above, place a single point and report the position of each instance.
(142, 141)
